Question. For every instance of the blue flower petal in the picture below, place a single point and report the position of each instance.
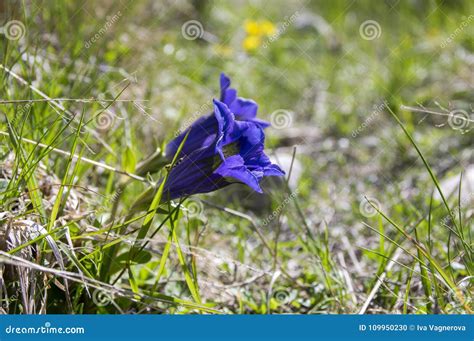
(234, 168)
(226, 120)
(244, 109)
(221, 148)
(193, 174)
(202, 133)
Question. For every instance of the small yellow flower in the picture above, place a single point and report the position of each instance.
(256, 32)
(267, 28)
(252, 42)
(252, 27)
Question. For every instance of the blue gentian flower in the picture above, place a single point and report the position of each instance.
(227, 151)
(203, 130)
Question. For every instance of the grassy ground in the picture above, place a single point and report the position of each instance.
(372, 110)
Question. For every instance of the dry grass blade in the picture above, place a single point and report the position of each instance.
(6, 258)
(380, 281)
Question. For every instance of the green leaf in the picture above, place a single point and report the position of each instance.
(129, 161)
(141, 257)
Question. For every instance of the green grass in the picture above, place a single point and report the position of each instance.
(361, 224)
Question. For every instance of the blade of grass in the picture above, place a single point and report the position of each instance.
(432, 261)
(32, 184)
(65, 182)
(154, 205)
(432, 175)
(424, 278)
(192, 286)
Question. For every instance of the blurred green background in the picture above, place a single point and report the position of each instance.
(324, 73)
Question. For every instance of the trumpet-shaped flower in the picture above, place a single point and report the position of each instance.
(229, 151)
(204, 129)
